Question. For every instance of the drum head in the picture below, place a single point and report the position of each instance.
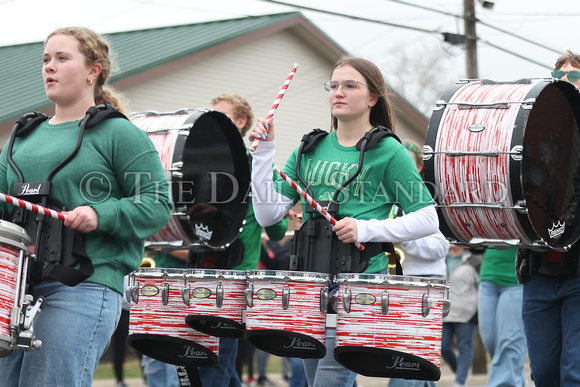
(215, 159)
(550, 167)
(385, 363)
(207, 164)
(173, 350)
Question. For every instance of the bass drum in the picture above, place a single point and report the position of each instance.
(207, 164)
(501, 160)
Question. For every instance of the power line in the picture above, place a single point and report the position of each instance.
(445, 35)
(355, 17)
(480, 22)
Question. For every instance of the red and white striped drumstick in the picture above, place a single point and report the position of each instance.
(276, 103)
(32, 207)
(311, 201)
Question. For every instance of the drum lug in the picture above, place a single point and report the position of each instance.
(385, 302)
(426, 305)
(446, 302)
(248, 294)
(528, 104)
(186, 294)
(427, 152)
(165, 293)
(31, 312)
(285, 297)
(219, 296)
(133, 292)
(323, 299)
(346, 300)
(520, 207)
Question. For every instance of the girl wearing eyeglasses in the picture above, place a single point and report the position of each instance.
(359, 102)
(551, 294)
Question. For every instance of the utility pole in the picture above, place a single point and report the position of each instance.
(470, 39)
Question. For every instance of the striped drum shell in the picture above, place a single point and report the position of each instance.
(501, 160)
(13, 264)
(284, 316)
(157, 325)
(390, 326)
(216, 301)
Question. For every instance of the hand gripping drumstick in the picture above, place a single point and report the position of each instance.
(32, 207)
(311, 201)
(276, 103)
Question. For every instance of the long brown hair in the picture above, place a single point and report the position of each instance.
(95, 49)
(382, 113)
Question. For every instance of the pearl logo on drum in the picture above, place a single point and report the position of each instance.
(191, 353)
(399, 363)
(297, 342)
(266, 294)
(201, 292)
(365, 299)
(149, 290)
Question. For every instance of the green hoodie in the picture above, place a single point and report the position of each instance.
(117, 171)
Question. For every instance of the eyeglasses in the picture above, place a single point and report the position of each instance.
(413, 149)
(573, 75)
(347, 86)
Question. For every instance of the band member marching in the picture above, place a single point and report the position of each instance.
(358, 171)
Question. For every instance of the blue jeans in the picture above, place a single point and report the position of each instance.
(327, 371)
(75, 327)
(502, 331)
(158, 373)
(551, 315)
(224, 374)
(463, 333)
(410, 383)
(297, 374)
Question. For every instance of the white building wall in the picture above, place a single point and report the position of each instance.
(256, 71)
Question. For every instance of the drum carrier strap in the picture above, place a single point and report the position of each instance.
(314, 246)
(59, 252)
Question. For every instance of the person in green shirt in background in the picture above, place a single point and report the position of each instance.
(501, 326)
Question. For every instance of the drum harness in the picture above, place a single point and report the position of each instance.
(59, 253)
(314, 246)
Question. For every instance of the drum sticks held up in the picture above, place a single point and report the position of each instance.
(311, 201)
(32, 207)
(276, 102)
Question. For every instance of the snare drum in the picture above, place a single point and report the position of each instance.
(501, 159)
(286, 312)
(157, 325)
(390, 326)
(215, 301)
(14, 255)
(206, 162)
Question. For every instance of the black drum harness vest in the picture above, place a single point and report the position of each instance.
(315, 247)
(59, 253)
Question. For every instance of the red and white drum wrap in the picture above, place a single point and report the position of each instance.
(164, 140)
(284, 315)
(157, 325)
(390, 326)
(479, 179)
(216, 301)
(502, 159)
(13, 265)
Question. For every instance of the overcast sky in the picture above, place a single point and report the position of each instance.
(552, 26)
